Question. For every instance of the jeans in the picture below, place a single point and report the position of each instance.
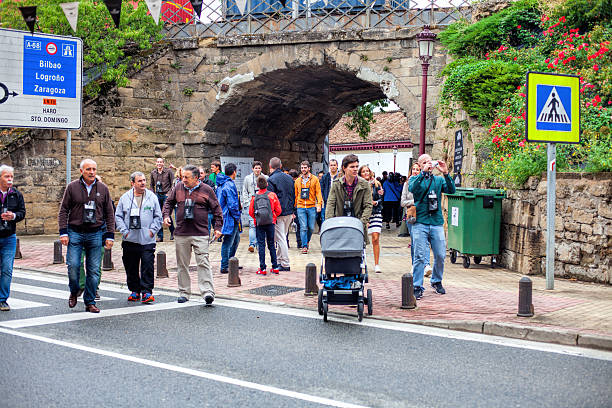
(253, 240)
(82, 270)
(160, 234)
(409, 226)
(91, 242)
(265, 234)
(423, 237)
(138, 262)
(307, 217)
(7, 256)
(229, 247)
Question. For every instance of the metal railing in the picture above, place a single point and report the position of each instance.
(223, 18)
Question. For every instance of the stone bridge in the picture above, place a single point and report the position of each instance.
(254, 96)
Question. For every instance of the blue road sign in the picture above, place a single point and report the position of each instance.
(554, 108)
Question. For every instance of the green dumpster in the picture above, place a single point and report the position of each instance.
(474, 221)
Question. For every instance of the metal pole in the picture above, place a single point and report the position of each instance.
(551, 183)
(68, 156)
(425, 67)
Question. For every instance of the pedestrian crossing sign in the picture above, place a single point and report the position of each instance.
(553, 109)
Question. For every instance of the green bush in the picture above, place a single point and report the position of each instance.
(585, 14)
(518, 25)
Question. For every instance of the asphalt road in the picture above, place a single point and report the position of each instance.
(251, 355)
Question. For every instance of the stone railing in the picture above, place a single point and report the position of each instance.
(583, 227)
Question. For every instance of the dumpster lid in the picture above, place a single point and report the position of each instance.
(477, 192)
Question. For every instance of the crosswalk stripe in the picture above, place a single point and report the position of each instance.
(24, 304)
(47, 292)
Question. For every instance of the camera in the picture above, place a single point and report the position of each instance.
(158, 187)
(348, 208)
(434, 163)
(432, 201)
(189, 205)
(4, 225)
(89, 212)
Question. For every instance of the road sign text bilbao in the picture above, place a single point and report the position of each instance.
(49, 67)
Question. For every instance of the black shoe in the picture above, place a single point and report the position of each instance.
(172, 236)
(209, 299)
(4, 307)
(284, 268)
(97, 296)
(224, 271)
(439, 288)
(388, 227)
(418, 293)
(182, 299)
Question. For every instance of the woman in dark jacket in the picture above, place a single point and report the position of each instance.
(375, 224)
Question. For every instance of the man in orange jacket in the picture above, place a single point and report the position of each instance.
(308, 201)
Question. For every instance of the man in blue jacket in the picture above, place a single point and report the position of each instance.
(230, 204)
(429, 227)
(138, 218)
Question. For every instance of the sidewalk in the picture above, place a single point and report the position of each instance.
(478, 299)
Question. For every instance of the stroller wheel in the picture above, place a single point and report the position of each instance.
(320, 302)
(370, 302)
(360, 310)
(324, 311)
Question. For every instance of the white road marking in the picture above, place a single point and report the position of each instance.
(189, 371)
(47, 292)
(23, 304)
(42, 277)
(71, 317)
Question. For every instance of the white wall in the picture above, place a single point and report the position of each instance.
(379, 161)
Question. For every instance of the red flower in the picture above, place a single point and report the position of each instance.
(502, 159)
(522, 144)
(595, 67)
(508, 120)
(562, 19)
(518, 26)
(523, 114)
(522, 94)
(551, 66)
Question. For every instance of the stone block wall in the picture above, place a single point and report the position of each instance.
(583, 227)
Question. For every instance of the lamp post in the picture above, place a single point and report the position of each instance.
(394, 157)
(426, 49)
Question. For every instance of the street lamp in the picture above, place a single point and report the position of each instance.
(394, 157)
(426, 49)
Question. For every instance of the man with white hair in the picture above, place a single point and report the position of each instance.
(13, 211)
(138, 217)
(86, 218)
(428, 230)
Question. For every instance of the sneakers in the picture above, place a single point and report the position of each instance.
(147, 298)
(209, 299)
(224, 271)
(4, 307)
(251, 248)
(377, 269)
(439, 288)
(305, 250)
(284, 268)
(134, 297)
(261, 272)
(274, 270)
(418, 293)
(182, 299)
(427, 271)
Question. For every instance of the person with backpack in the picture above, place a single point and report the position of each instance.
(264, 209)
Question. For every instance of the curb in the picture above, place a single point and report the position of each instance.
(515, 331)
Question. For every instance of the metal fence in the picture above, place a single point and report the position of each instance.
(222, 18)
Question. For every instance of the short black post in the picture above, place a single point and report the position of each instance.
(162, 270)
(58, 258)
(18, 251)
(310, 287)
(107, 263)
(233, 279)
(408, 299)
(525, 307)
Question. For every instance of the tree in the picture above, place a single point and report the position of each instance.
(363, 116)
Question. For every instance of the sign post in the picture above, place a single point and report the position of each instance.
(553, 116)
(458, 159)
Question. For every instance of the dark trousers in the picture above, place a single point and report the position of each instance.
(265, 235)
(392, 211)
(138, 262)
(160, 234)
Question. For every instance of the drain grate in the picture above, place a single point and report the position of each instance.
(273, 290)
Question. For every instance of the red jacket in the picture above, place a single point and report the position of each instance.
(274, 202)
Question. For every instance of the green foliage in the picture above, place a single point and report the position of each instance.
(188, 91)
(166, 106)
(479, 86)
(515, 26)
(585, 14)
(363, 116)
(103, 44)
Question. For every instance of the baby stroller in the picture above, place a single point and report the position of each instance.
(343, 267)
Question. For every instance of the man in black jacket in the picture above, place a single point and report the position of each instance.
(13, 211)
(282, 185)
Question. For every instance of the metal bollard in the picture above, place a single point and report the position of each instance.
(311, 288)
(162, 270)
(107, 263)
(525, 307)
(233, 279)
(58, 258)
(18, 251)
(408, 299)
